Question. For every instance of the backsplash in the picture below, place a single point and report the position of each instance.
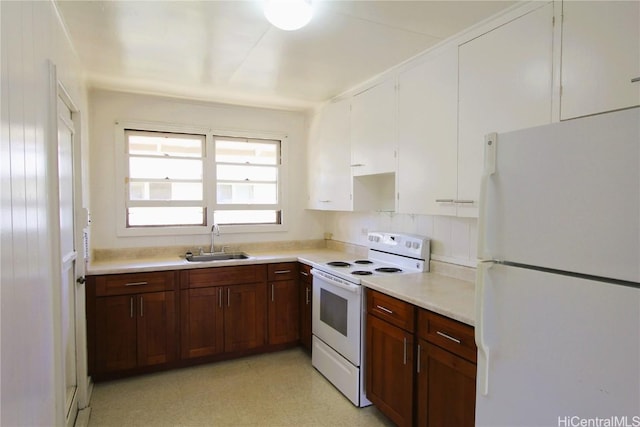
(453, 240)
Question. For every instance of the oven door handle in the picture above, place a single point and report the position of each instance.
(336, 282)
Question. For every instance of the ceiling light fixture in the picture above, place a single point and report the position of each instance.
(288, 15)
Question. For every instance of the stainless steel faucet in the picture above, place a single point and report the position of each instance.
(215, 231)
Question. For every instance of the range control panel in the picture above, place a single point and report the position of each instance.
(411, 245)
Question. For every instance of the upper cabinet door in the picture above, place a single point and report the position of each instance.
(373, 130)
(600, 57)
(329, 159)
(428, 135)
(505, 83)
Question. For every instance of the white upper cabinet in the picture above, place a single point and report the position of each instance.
(600, 57)
(373, 130)
(329, 159)
(505, 83)
(428, 135)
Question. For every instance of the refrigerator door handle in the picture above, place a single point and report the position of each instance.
(490, 143)
(483, 347)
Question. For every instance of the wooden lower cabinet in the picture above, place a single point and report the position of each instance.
(446, 388)
(389, 370)
(223, 310)
(131, 322)
(134, 331)
(435, 388)
(283, 303)
(306, 294)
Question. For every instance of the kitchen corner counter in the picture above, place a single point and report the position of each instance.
(451, 297)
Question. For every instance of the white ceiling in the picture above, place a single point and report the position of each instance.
(226, 51)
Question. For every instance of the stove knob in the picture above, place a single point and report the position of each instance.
(408, 244)
(416, 245)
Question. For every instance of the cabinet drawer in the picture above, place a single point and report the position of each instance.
(282, 271)
(134, 283)
(447, 333)
(222, 276)
(305, 273)
(391, 309)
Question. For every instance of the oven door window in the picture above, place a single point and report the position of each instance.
(333, 311)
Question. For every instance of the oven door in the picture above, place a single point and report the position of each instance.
(337, 314)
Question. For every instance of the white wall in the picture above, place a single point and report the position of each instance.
(452, 239)
(32, 388)
(108, 107)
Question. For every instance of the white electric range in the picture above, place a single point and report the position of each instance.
(339, 308)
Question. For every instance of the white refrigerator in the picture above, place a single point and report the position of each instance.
(558, 286)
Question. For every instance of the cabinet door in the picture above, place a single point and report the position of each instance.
(428, 136)
(329, 159)
(284, 312)
(446, 384)
(245, 316)
(373, 130)
(115, 331)
(505, 83)
(305, 306)
(389, 370)
(202, 322)
(156, 328)
(600, 56)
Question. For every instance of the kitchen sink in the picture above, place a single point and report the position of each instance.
(215, 256)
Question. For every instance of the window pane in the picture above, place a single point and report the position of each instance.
(159, 216)
(252, 152)
(165, 144)
(160, 168)
(247, 217)
(247, 173)
(140, 190)
(241, 193)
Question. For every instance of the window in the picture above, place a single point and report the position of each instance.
(247, 172)
(181, 181)
(164, 185)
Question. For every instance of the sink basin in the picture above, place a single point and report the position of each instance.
(215, 256)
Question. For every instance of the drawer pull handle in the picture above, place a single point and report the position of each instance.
(304, 273)
(136, 284)
(449, 337)
(444, 200)
(282, 271)
(635, 80)
(386, 310)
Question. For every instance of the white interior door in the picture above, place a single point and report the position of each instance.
(68, 255)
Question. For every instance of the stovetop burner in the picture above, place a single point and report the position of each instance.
(363, 261)
(361, 273)
(339, 264)
(388, 270)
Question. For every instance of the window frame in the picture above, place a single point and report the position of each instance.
(209, 180)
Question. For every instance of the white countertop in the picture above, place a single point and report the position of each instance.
(445, 295)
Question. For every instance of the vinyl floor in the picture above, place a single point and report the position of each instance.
(275, 389)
